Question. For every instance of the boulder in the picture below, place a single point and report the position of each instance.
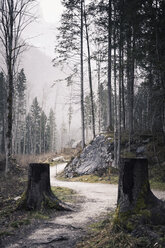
(95, 158)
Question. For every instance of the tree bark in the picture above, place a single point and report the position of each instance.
(90, 74)
(115, 95)
(134, 193)
(133, 182)
(38, 194)
(99, 95)
(123, 89)
(109, 67)
(82, 81)
(119, 90)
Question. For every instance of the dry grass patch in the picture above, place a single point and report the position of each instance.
(104, 234)
(112, 179)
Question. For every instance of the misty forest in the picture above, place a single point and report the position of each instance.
(82, 123)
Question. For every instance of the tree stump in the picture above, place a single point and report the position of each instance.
(134, 194)
(39, 194)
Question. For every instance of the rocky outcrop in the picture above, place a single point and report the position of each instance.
(95, 158)
(98, 155)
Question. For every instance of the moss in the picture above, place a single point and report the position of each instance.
(5, 233)
(21, 203)
(130, 226)
(50, 203)
(157, 185)
(39, 215)
(17, 224)
(92, 178)
(102, 234)
(145, 242)
(146, 213)
(129, 220)
(99, 225)
(7, 211)
(64, 194)
(121, 218)
(126, 154)
(139, 213)
(141, 204)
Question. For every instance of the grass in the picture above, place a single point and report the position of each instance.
(39, 215)
(6, 233)
(104, 234)
(11, 219)
(90, 179)
(157, 185)
(17, 224)
(25, 160)
(105, 179)
(64, 194)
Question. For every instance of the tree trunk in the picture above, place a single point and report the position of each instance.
(110, 124)
(119, 90)
(90, 74)
(115, 96)
(130, 78)
(99, 95)
(9, 122)
(134, 194)
(82, 81)
(38, 194)
(123, 89)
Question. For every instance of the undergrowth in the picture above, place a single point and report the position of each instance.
(104, 234)
(12, 187)
(112, 179)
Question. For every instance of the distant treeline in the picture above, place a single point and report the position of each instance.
(33, 132)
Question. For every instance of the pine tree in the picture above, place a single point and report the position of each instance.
(35, 115)
(12, 24)
(51, 132)
(20, 112)
(28, 143)
(43, 131)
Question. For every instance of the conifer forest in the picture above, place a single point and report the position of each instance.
(82, 91)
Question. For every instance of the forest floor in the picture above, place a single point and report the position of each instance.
(92, 202)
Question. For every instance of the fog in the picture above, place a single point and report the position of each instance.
(39, 70)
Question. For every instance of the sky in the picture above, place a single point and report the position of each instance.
(42, 33)
(40, 74)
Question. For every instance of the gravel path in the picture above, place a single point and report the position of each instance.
(64, 231)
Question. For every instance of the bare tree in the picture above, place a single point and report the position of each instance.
(82, 80)
(14, 18)
(110, 124)
(90, 72)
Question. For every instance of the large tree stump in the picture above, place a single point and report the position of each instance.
(39, 194)
(134, 194)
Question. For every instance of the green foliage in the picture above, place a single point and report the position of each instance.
(40, 130)
(51, 133)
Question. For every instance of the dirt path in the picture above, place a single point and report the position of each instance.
(64, 231)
